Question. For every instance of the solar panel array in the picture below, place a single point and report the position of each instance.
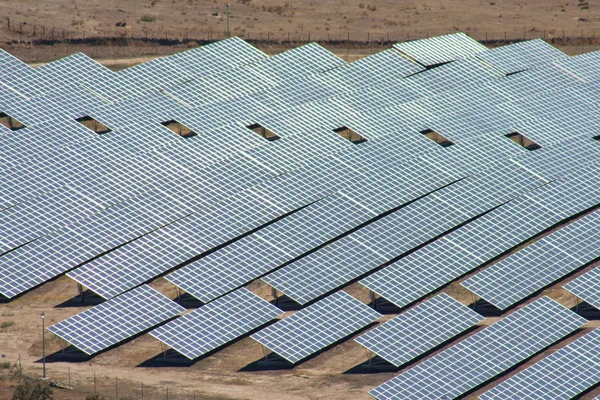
(563, 374)
(442, 184)
(419, 330)
(316, 327)
(538, 265)
(482, 356)
(471, 245)
(217, 323)
(123, 317)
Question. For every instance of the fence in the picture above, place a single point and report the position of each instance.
(80, 384)
(40, 34)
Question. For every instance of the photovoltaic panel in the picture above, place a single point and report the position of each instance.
(56, 253)
(216, 323)
(324, 270)
(386, 66)
(482, 356)
(316, 327)
(562, 375)
(30, 220)
(118, 319)
(420, 329)
(538, 265)
(159, 251)
(586, 287)
(441, 49)
(471, 245)
(520, 56)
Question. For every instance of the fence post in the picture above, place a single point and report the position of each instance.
(94, 382)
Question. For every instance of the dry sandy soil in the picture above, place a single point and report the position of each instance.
(277, 19)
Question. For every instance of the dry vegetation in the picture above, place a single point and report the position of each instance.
(262, 19)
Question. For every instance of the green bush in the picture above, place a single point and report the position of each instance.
(147, 18)
(33, 391)
(7, 324)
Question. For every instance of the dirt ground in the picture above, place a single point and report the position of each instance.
(276, 19)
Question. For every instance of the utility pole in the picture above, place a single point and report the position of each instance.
(43, 347)
(227, 12)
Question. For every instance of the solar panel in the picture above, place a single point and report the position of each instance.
(56, 253)
(562, 375)
(471, 245)
(159, 251)
(538, 265)
(482, 356)
(316, 327)
(517, 57)
(324, 270)
(440, 49)
(116, 320)
(30, 220)
(384, 67)
(216, 323)
(586, 287)
(420, 329)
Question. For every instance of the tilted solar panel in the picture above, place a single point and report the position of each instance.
(118, 319)
(586, 287)
(316, 327)
(216, 323)
(420, 329)
(538, 265)
(441, 49)
(478, 358)
(562, 375)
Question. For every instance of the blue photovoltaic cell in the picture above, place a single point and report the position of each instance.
(483, 356)
(538, 265)
(118, 319)
(316, 326)
(420, 329)
(216, 323)
(562, 375)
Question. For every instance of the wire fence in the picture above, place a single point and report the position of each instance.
(21, 32)
(89, 384)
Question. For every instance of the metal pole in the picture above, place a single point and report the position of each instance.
(142, 390)
(69, 377)
(94, 381)
(227, 8)
(43, 347)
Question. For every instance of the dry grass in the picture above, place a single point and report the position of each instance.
(276, 19)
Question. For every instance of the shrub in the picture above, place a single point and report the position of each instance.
(147, 18)
(6, 324)
(5, 365)
(33, 391)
